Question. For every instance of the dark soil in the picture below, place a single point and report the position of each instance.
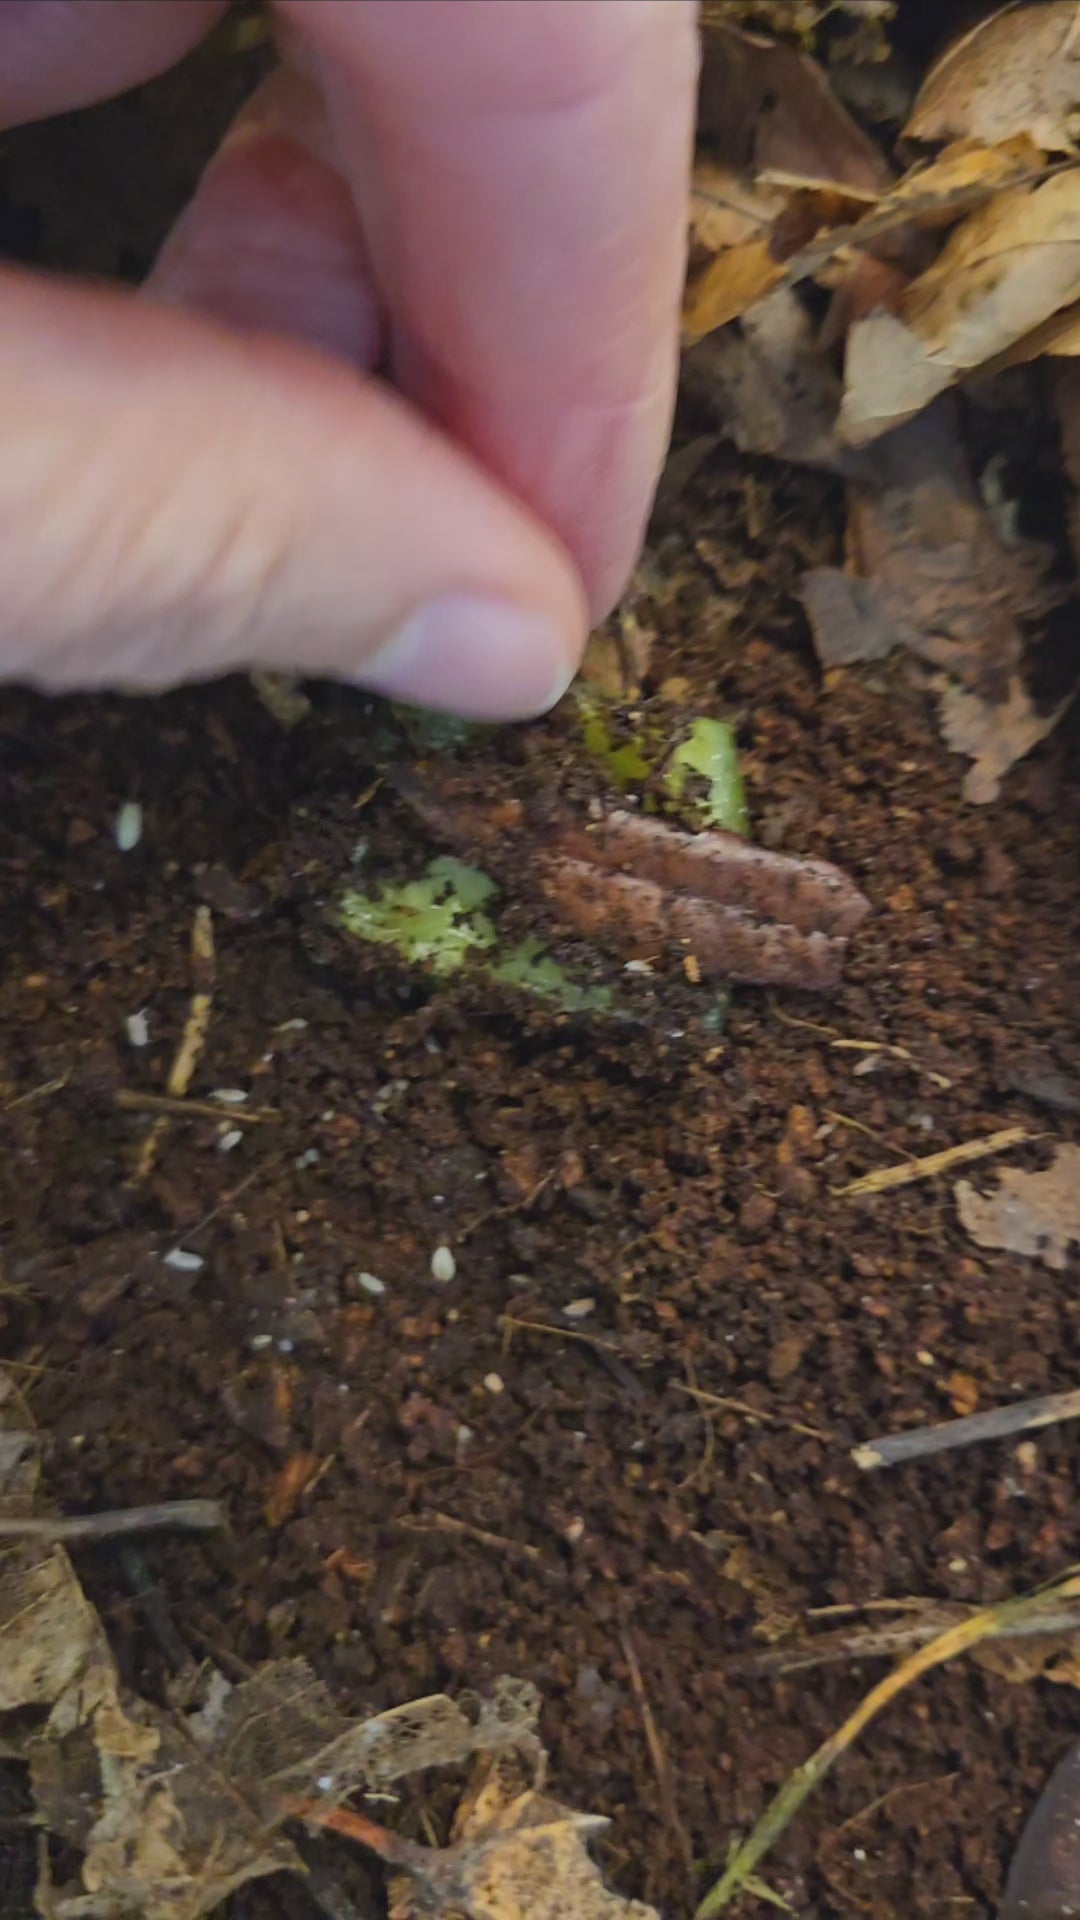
(685, 1185)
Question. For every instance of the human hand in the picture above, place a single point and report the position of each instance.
(484, 196)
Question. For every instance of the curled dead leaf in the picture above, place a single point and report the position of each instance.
(763, 104)
(927, 569)
(770, 388)
(995, 735)
(1028, 1213)
(515, 1854)
(1018, 72)
(1001, 274)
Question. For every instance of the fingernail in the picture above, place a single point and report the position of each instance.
(483, 659)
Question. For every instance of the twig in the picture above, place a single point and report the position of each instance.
(986, 1625)
(563, 1333)
(841, 1044)
(894, 1053)
(187, 1516)
(754, 1413)
(151, 1601)
(893, 1449)
(434, 1522)
(44, 1092)
(885, 1643)
(192, 1040)
(908, 1171)
(132, 1100)
(657, 1754)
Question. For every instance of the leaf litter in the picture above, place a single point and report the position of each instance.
(968, 262)
(1037, 1214)
(171, 1810)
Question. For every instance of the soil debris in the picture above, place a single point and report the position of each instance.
(1028, 1213)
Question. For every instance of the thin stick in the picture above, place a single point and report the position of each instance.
(886, 1643)
(893, 1449)
(657, 1753)
(446, 1523)
(754, 1413)
(46, 1089)
(187, 1516)
(192, 1040)
(563, 1333)
(132, 1100)
(908, 1171)
(985, 1625)
(894, 1053)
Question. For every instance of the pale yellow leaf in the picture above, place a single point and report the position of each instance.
(1018, 72)
(1001, 274)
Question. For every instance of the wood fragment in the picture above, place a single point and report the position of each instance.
(133, 1100)
(998, 1423)
(907, 1172)
(183, 1516)
(192, 1040)
(727, 1405)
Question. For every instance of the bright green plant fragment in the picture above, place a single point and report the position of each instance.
(435, 920)
(528, 966)
(626, 765)
(709, 750)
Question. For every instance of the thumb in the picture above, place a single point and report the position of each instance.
(177, 501)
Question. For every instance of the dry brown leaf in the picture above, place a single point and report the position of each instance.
(769, 387)
(734, 281)
(994, 735)
(726, 208)
(1018, 72)
(171, 1812)
(515, 1855)
(927, 569)
(1046, 1656)
(1003, 271)
(783, 229)
(763, 104)
(1029, 1213)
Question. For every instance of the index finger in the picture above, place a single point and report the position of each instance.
(520, 168)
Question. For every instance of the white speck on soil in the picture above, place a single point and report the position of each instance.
(181, 1261)
(128, 828)
(138, 1028)
(443, 1266)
